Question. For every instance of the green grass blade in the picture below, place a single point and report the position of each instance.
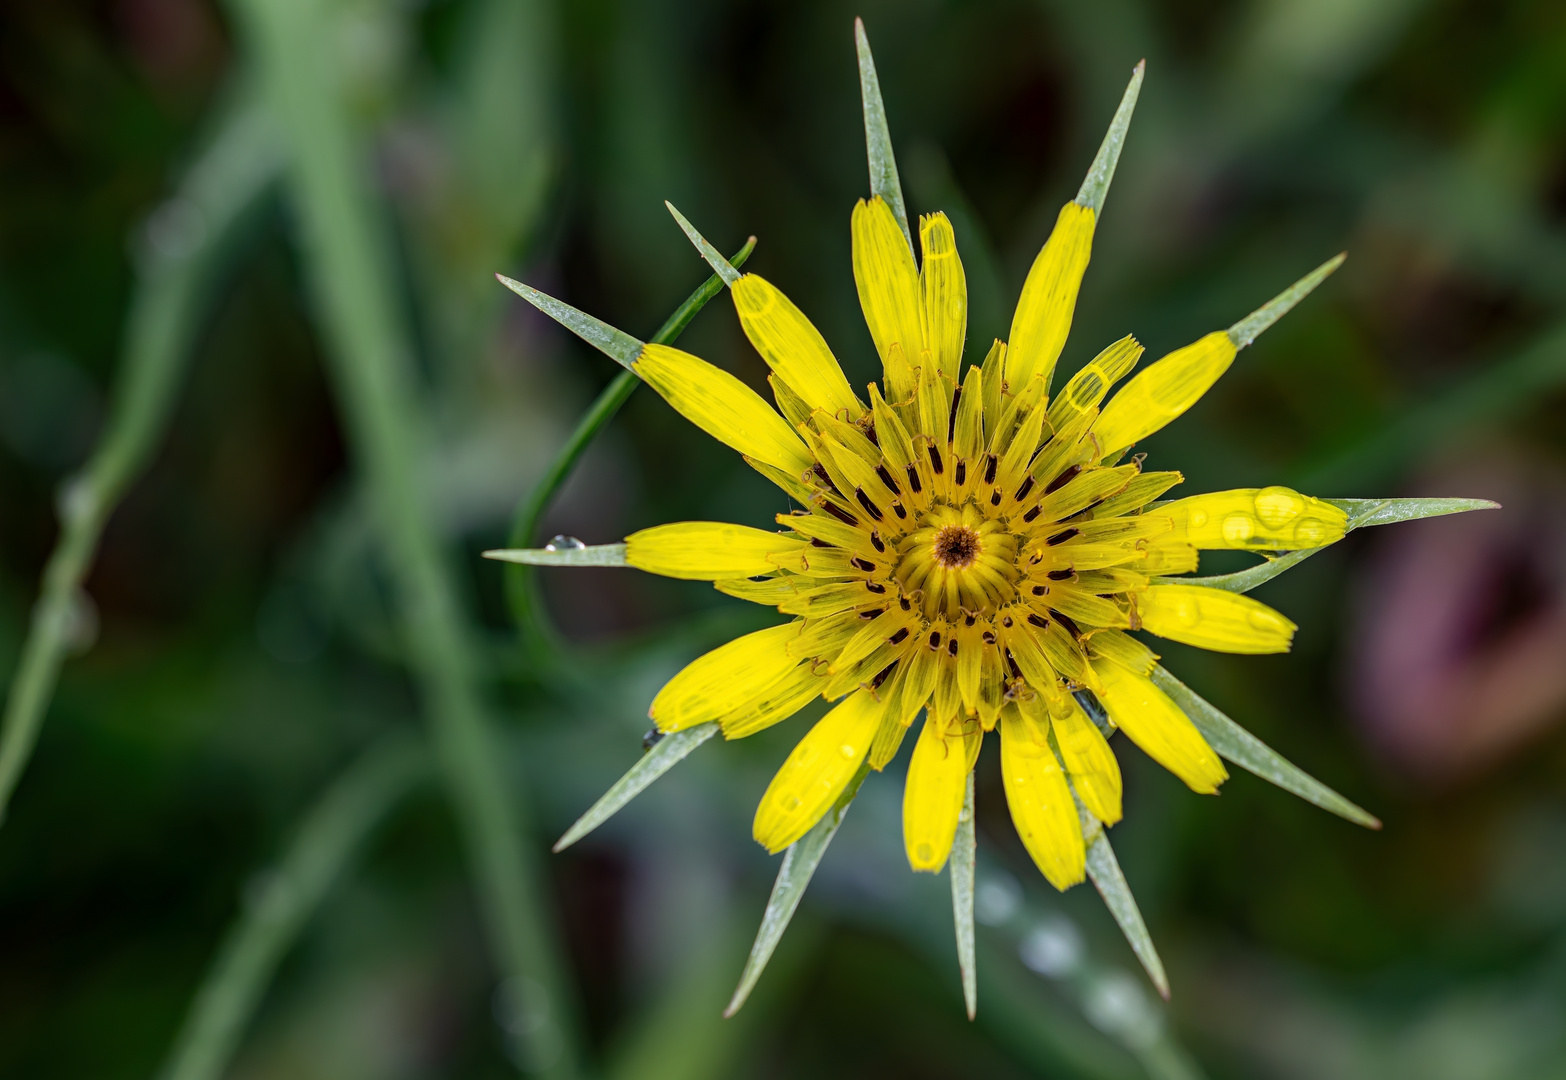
(665, 754)
(188, 242)
(1362, 513)
(799, 865)
(1096, 185)
(719, 264)
(1250, 328)
(878, 136)
(595, 555)
(963, 858)
(1234, 743)
(1103, 869)
(325, 844)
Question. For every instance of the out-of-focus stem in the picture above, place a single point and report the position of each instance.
(283, 900)
(349, 265)
(184, 247)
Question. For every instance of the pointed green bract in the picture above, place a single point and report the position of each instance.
(596, 555)
(1362, 513)
(878, 137)
(1250, 328)
(1233, 742)
(1096, 186)
(668, 752)
(719, 264)
(799, 865)
(619, 346)
(1103, 869)
(963, 857)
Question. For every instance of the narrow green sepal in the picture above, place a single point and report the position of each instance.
(1250, 328)
(1096, 186)
(665, 754)
(619, 346)
(1103, 870)
(878, 136)
(719, 264)
(799, 865)
(597, 555)
(961, 863)
(1234, 743)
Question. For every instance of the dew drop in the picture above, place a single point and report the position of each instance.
(1277, 506)
(846, 750)
(1239, 528)
(1311, 532)
(564, 543)
(1187, 612)
(1198, 518)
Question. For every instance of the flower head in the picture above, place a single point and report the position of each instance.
(970, 546)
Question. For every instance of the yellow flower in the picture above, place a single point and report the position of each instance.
(971, 548)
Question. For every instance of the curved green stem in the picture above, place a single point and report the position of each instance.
(539, 634)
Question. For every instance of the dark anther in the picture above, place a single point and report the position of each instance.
(962, 471)
(886, 673)
(935, 639)
(897, 508)
(898, 638)
(1063, 479)
(995, 497)
(1062, 575)
(842, 515)
(880, 545)
(913, 479)
(1031, 514)
(1062, 537)
(864, 501)
(1006, 621)
(1038, 620)
(863, 564)
(935, 460)
(875, 587)
(816, 541)
(951, 647)
(871, 614)
(905, 603)
(1040, 590)
(989, 637)
(969, 620)
(651, 739)
(886, 478)
(951, 420)
(1022, 492)
(1067, 623)
(989, 469)
(1016, 671)
(868, 426)
(825, 477)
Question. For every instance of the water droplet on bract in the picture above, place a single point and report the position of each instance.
(1239, 528)
(563, 542)
(651, 739)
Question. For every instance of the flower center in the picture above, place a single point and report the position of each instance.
(956, 547)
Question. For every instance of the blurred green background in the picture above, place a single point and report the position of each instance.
(252, 244)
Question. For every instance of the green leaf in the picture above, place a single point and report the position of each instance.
(719, 264)
(1362, 513)
(617, 345)
(665, 754)
(1247, 751)
(594, 555)
(1250, 328)
(799, 865)
(878, 137)
(1096, 186)
(1103, 869)
(963, 857)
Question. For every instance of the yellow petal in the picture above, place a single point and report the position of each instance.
(888, 283)
(1162, 391)
(1087, 387)
(709, 550)
(1040, 802)
(723, 407)
(943, 293)
(816, 772)
(780, 700)
(1157, 725)
(793, 347)
(1257, 519)
(932, 796)
(1213, 619)
(1091, 764)
(1049, 296)
(717, 682)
